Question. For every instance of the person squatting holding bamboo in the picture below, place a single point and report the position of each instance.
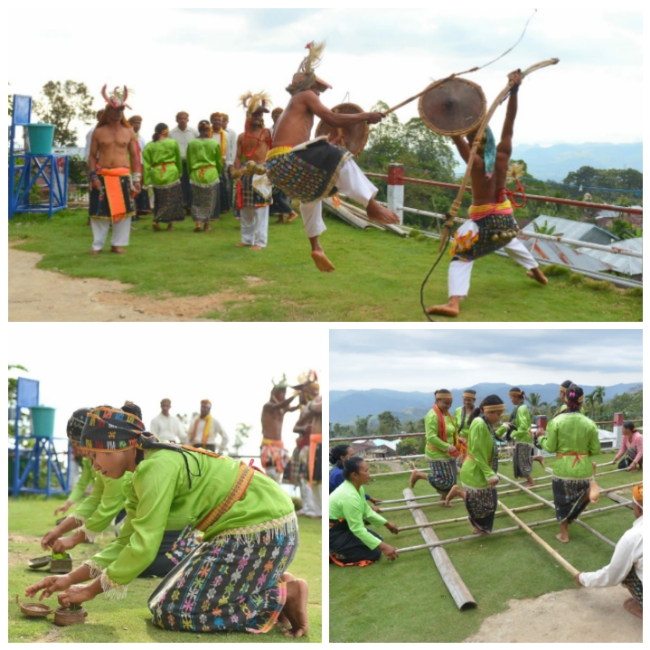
(441, 447)
(236, 579)
(490, 213)
(573, 438)
(350, 542)
(626, 567)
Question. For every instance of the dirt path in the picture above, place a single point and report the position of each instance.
(572, 616)
(45, 296)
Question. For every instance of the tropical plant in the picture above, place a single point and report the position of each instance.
(241, 434)
(623, 229)
(545, 229)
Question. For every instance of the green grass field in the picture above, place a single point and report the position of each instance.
(377, 278)
(128, 620)
(406, 601)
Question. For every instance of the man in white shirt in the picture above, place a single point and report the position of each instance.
(166, 427)
(231, 140)
(183, 134)
(89, 137)
(626, 567)
(204, 429)
(142, 205)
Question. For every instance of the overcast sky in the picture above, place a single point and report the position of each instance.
(421, 360)
(232, 365)
(202, 60)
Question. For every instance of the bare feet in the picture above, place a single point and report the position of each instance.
(476, 531)
(536, 274)
(206, 228)
(530, 482)
(197, 228)
(455, 491)
(379, 213)
(563, 538)
(155, 226)
(633, 607)
(321, 261)
(283, 621)
(416, 475)
(287, 577)
(94, 252)
(117, 249)
(295, 608)
(280, 220)
(241, 244)
(169, 226)
(540, 460)
(444, 310)
(292, 217)
(255, 247)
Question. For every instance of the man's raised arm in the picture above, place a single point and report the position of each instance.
(505, 145)
(338, 120)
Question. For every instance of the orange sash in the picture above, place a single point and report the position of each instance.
(314, 439)
(114, 193)
(577, 457)
(206, 430)
(269, 446)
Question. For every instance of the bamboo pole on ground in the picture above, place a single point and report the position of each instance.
(619, 499)
(456, 520)
(570, 568)
(454, 583)
(465, 538)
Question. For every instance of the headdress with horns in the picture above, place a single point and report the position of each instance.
(255, 102)
(305, 77)
(118, 100)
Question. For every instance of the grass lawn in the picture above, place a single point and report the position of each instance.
(377, 278)
(128, 620)
(405, 601)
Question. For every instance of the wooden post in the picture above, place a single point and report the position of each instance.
(395, 190)
(457, 588)
(571, 569)
(618, 428)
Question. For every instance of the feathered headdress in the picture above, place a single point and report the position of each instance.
(118, 100)
(305, 77)
(255, 102)
(283, 383)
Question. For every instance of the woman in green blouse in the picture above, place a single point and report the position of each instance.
(574, 438)
(236, 579)
(204, 164)
(162, 167)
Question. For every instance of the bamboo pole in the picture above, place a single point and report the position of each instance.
(619, 499)
(456, 520)
(454, 583)
(570, 568)
(464, 538)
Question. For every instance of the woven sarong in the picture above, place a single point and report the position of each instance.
(629, 457)
(204, 199)
(114, 200)
(272, 454)
(635, 586)
(174, 547)
(481, 504)
(442, 474)
(309, 174)
(281, 204)
(522, 460)
(168, 203)
(142, 205)
(225, 192)
(474, 238)
(346, 549)
(318, 464)
(569, 496)
(247, 197)
(292, 470)
(230, 583)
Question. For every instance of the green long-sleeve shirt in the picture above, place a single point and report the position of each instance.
(161, 499)
(161, 162)
(435, 447)
(522, 422)
(99, 509)
(346, 503)
(87, 476)
(477, 468)
(572, 433)
(204, 161)
(458, 417)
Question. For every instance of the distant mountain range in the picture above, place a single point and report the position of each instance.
(555, 162)
(346, 405)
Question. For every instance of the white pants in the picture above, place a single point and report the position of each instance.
(307, 497)
(120, 236)
(317, 499)
(353, 183)
(254, 226)
(272, 472)
(461, 272)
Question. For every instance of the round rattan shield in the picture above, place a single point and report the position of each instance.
(452, 106)
(354, 137)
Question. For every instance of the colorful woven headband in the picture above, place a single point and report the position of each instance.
(443, 394)
(109, 429)
(206, 401)
(492, 408)
(470, 393)
(637, 495)
(515, 392)
(76, 424)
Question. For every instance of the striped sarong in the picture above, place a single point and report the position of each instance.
(481, 504)
(442, 474)
(522, 460)
(634, 586)
(570, 497)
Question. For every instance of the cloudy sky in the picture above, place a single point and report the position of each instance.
(416, 360)
(202, 60)
(232, 365)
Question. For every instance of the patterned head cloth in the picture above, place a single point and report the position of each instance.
(110, 429)
(76, 424)
(637, 495)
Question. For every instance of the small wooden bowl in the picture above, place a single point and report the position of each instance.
(40, 562)
(64, 616)
(36, 610)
